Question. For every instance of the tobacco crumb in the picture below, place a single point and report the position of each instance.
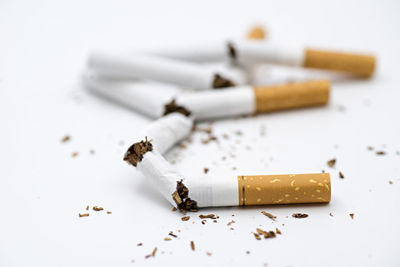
(167, 239)
(174, 107)
(225, 136)
(266, 234)
(232, 228)
(135, 152)
(87, 207)
(330, 214)
(65, 139)
(262, 130)
(390, 182)
(299, 215)
(91, 151)
(341, 175)
(153, 253)
(97, 208)
(207, 216)
(172, 234)
(221, 82)
(203, 221)
(278, 231)
(109, 212)
(331, 163)
(231, 51)
(269, 215)
(248, 252)
(182, 200)
(83, 214)
(234, 168)
(239, 133)
(370, 148)
(205, 170)
(380, 153)
(209, 139)
(185, 218)
(215, 221)
(174, 209)
(229, 223)
(208, 253)
(257, 236)
(182, 146)
(121, 142)
(74, 154)
(192, 245)
(323, 171)
(139, 244)
(351, 215)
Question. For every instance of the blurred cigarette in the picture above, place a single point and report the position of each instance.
(150, 67)
(210, 104)
(262, 52)
(241, 190)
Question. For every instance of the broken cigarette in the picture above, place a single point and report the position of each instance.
(248, 52)
(242, 190)
(161, 69)
(209, 104)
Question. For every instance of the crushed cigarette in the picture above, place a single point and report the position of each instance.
(135, 153)
(299, 215)
(83, 214)
(269, 215)
(331, 163)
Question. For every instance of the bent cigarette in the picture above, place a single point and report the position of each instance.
(262, 52)
(212, 104)
(161, 69)
(231, 191)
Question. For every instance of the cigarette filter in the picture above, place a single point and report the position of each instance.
(243, 190)
(257, 33)
(161, 69)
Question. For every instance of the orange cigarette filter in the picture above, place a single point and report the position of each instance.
(257, 33)
(284, 189)
(291, 95)
(356, 64)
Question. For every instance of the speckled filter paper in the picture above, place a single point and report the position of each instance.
(291, 95)
(284, 189)
(361, 65)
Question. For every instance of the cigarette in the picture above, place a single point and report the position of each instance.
(214, 104)
(362, 65)
(241, 190)
(150, 67)
(255, 51)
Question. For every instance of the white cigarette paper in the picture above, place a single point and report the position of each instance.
(145, 97)
(150, 67)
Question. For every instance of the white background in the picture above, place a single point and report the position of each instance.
(43, 48)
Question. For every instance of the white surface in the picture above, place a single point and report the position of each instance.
(43, 49)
